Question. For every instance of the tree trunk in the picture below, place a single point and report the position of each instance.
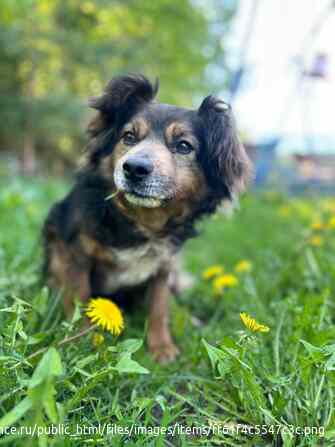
(28, 162)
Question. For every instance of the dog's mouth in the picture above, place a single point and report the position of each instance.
(151, 194)
(145, 201)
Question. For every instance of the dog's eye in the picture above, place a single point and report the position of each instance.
(129, 138)
(184, 147)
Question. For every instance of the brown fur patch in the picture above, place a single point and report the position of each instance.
(180, 130)
(139, 126)
(148, 220)
(94, 249)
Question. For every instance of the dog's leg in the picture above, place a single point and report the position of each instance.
(159, 338)
(67, 275)
(77, 286)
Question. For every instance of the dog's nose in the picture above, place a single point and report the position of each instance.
(137, 168)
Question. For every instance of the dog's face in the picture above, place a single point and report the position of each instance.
(159, 155)
(155, 161)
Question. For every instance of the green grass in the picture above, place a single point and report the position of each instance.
(227, 378)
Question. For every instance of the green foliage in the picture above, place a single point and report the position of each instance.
(55, 54)
(227, 376)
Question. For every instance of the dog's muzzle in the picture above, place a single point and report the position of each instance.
(137, 177)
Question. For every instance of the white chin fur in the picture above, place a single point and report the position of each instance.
(146, 202)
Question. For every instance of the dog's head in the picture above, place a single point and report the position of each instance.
(158, 155)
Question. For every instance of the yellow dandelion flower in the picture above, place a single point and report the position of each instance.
(106, 314)
(331, 223)
(316, 241)
(243, 267)
(212, 271)
(317, 226)
(285, 211)
(223, 281)
(251, 324)
(97, 340)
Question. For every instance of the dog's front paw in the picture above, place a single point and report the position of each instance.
(164, 353)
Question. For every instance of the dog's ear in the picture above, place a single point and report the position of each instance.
(225, 161)
(122, 96)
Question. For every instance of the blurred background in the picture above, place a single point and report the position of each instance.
(273, 60)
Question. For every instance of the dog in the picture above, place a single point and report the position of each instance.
(151, 171)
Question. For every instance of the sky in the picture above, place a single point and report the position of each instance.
(272, 98)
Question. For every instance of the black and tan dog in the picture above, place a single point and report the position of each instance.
(168, 166)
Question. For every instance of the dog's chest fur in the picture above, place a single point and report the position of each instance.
(133, 266)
